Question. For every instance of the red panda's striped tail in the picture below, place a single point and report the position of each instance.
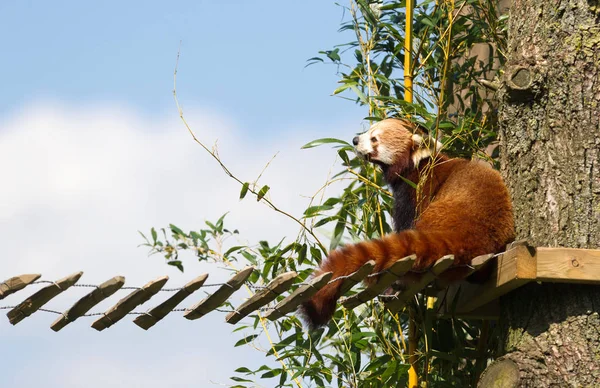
(428, 246)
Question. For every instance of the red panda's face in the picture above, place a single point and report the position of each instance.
(386, 142)
(391, 141)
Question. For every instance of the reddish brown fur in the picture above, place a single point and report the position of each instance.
(469, 214)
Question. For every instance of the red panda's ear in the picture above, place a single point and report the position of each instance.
(420, 142)
(417, 141)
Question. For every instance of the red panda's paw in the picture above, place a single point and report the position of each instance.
(319, 310)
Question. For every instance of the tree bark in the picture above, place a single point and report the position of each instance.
(549, 117)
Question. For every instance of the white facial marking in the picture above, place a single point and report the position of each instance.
(364, 146)
(385, 155)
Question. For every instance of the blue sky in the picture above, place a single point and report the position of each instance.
(92, 150)
(242, 58)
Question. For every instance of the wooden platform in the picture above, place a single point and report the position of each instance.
(517, 266)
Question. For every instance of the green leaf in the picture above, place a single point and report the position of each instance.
(326, 140)
(408, 182)
(176, 230)
(176, 263)
(262, 192)
(314, 210)
(360, 94)
(244, 191)
(302, 254)
(271, 373)
(333, 55)
(246, 340)
(233, 249)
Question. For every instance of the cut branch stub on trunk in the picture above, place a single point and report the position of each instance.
(85, 304)
(14, 284)
(385, 280)
(41, 297)
(301, 294)
(401, 298)
(271, 291)
(128, 303)
(151, 317)
(213, 301)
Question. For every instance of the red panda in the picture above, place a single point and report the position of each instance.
(464, 209)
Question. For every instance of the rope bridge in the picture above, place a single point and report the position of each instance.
(518, 265)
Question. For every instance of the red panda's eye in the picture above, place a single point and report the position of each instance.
(373, 139)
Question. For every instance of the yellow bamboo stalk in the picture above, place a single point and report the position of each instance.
(408, 63)
(413, 379)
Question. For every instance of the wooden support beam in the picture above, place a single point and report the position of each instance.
(385, 280)
(271, 291)
(401, 298)
(86, 303)
(41, 297)
(128, 303)
(511, 269)
(568, 265)
(14, 284)
(213, 301)
(151, 317)
(301, 294)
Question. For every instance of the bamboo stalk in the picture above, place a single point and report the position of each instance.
(413, 379)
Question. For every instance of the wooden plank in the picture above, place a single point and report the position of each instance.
(301, 294)
(41, 297)
(568, 265)
(414, 287)
(151, 317)
(213, 301)
(271, 291)
(458, 273)
(86, 303)
(128, 303)
(14, 284)
(511, 269)
(357, 276)
(392, 274)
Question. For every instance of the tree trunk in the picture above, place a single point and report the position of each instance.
(549, 117)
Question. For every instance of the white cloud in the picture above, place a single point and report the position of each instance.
(80, 181)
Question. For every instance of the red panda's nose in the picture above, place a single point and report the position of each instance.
(355, 141)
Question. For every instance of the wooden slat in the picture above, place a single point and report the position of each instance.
(14, 284)
(271, 291)
(86, 303)
(427, 277)
(213, 301)
(456, 274)
(511, 269)
(357, 276)
(385, 280)
(301, 294)
(41, 297)
(128, 303)
(151, 317)
(568, 265)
